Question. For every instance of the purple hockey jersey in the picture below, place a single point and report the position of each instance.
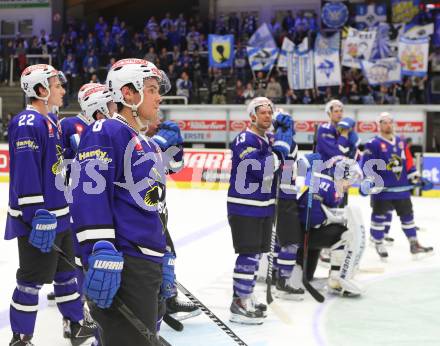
(129, 190)
(399, 165)
(71, 126)
(288, 190)
(36, 159)
(252, 189)
(329, 143)
(326, 195)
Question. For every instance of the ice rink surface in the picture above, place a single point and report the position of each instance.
(400, 306)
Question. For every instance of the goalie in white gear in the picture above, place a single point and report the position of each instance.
(341, 230)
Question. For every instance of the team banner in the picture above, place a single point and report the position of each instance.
(382, 45)
(382, 71)
(326, 61)
(334, 14)
(419, 31)
(357, 46)
(300, 70)
(262, 38)
(367, 16)
(287, 47)
(262, 59)
(221, 50)
(413, 56)
(404, 11)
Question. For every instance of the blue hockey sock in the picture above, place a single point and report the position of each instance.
(244, 277)
(24, 307)
(408, 225)
(287, 260)
(377, 227)
(67, 297)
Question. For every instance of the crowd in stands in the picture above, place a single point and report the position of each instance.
(179, 47)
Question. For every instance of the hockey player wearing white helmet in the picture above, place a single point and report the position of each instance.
(256, 157)
(38, 214)
(125, 232)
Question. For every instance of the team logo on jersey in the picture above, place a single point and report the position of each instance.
(383, 146)
(395, 165)
(58, 167)
(79, 129)
(154, 195)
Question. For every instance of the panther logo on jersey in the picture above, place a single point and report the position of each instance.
(395, 165)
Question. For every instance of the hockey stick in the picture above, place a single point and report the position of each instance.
(308, 286)
(172, 322)
(123, 309)
(210, 314)
(282, 315)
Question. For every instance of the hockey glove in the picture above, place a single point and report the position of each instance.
(44, 230)
(103, 278)
(366, 187)
(171, 125)
(166, 138)
(426, 184)
(353, 139)
(283, 120)
(346, 124)
(74, 142)
(283, 142)
(309, 159)
(167, 288)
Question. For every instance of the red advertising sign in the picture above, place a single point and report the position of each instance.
(400, 127)
(4, 161)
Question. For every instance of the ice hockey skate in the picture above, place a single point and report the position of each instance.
(344, 288)
(381, 250)
(181, 310)
(418, 251)
(284, 291)
(78, 333)
(244, 312)
(21, 340)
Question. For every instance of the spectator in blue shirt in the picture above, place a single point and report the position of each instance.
(90, 64)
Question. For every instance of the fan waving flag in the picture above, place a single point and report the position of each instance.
(288, 46)
(221, 50)
(326, 60)
(262, 59)
(262, 50)
(413, 56)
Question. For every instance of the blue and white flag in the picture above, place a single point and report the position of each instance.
(419, 31)
(367, 16)
(382, 71)
(288, 46)
(300, 70)
(262, 38)
(221, 50)
(413, 56)
(262, 59)
(334, 15)
(326, 60)
(382, 46)
(357, 46)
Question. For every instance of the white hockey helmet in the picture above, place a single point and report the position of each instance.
(258, 102)
(333, 103)
(134, 71)
(384, 116)
(39, 74)
(94, 97)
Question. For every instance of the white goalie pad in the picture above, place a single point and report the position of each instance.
(353, 241)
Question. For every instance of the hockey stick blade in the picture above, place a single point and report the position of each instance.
(313, 291)
(210, 314)
(280, 313)
(173, 323)
(372, 270)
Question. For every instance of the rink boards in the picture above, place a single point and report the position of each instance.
(210, 169)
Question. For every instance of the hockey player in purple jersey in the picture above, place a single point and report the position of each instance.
(116, 204)
(289, 231)
(38, 215)
(340, 229)
(337, 137)
(398, 171)
(96, 103)
(256, 156)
